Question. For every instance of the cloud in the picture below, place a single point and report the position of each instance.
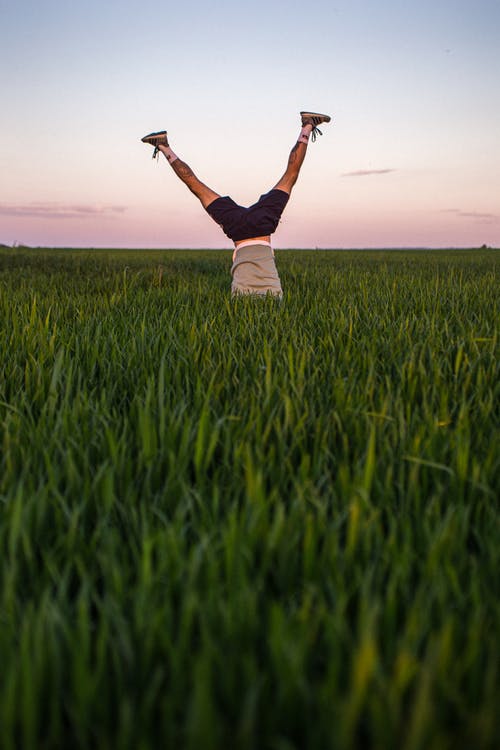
(366, 172)
(60, 210)
(479, 216)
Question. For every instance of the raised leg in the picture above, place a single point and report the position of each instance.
(205, 194)
(295, 161)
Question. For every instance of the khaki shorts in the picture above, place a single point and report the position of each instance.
(254, 271)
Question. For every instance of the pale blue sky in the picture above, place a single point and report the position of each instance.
(412, 88)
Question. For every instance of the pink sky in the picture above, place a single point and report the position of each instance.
(412, 157)
(349, 219)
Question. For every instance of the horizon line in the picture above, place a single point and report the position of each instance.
(21, 246)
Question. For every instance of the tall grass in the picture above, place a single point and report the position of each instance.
(243, 523)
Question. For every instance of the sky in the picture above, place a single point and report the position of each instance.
(410, 159)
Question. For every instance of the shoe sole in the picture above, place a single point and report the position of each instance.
(325, 118)
(154, 136)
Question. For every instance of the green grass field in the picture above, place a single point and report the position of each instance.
(245, 524)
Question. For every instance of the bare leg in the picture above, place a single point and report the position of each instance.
(295, 161)
(188, 177)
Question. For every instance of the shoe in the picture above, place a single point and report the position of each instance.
(156, 139)
(314, 119)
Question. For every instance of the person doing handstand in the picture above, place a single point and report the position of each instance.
(253, 270)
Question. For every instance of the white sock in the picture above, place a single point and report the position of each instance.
(305, 133)
(169, 154)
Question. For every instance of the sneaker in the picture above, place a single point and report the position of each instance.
(156, 139)
(314, 119)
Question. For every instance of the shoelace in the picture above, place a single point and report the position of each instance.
(156, 153)
(314, 133)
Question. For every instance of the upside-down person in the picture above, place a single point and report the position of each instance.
(253, 270)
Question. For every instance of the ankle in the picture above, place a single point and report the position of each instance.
(168, 153)
(305, 133)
